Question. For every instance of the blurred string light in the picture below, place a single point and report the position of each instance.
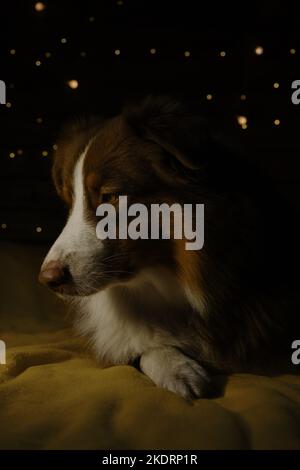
(259, 50)
(38, 229)
(73, 84)
(91, 19)
(242, 121)
(39, 6)
(4, 226)
(292, 51)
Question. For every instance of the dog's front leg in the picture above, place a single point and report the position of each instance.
(170, 368)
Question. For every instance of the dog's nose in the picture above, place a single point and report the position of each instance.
(53, 274)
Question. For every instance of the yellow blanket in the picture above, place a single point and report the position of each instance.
(53, 395)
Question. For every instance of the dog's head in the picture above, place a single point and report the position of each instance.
(152, 153)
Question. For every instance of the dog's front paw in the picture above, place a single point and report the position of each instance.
(171, 369)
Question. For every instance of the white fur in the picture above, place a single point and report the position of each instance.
(120, 334)
(78, 237)
(171, 369)
(115, 338)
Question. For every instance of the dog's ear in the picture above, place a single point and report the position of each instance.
(70, 144)
(183, 137)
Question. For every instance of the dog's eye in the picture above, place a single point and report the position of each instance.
(110, 198)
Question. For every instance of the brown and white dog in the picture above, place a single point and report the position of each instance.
(184, 314)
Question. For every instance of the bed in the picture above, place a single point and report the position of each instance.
(54, 395)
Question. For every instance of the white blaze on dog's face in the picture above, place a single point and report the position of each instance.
(77, 234)
(72, 254)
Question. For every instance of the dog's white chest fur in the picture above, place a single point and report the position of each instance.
(115, 336)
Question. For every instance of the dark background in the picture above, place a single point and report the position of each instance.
(77, 41)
